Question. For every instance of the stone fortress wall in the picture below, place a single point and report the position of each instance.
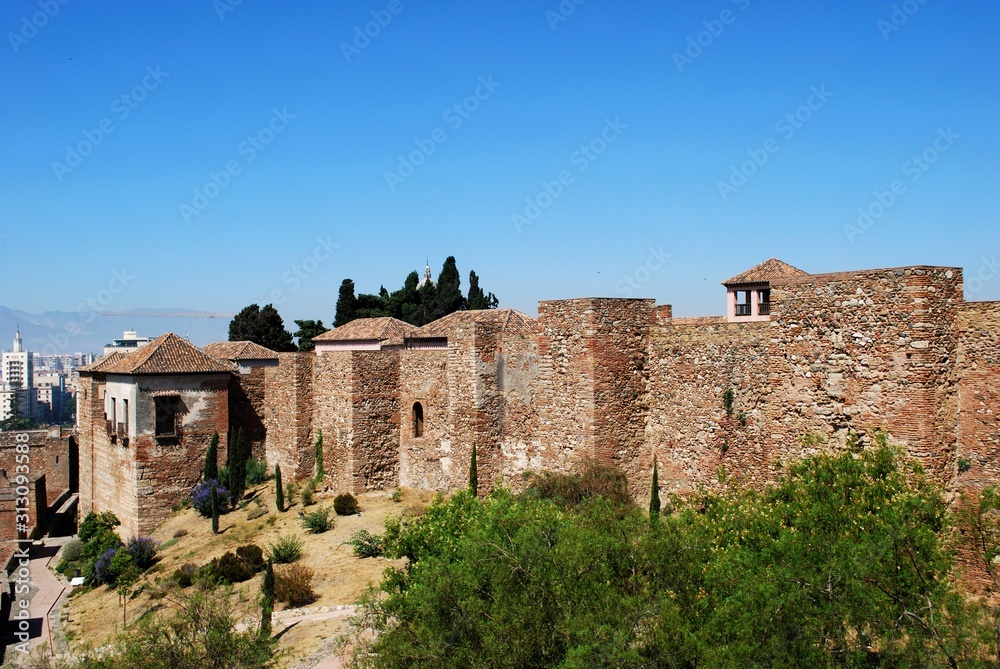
(622, 381)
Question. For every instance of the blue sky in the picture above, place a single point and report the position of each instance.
(684, 107)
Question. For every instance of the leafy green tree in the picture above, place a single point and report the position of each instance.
(267, 599)
(318, 452)
(279, 492)
(15, 420)
(307, 330)
(262, 326)
(127, 575)
(654, 494)
(212, 458)
(473, 473)
(839, 563)
(477, 299)
(347, 304)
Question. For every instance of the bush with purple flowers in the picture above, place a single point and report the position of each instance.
(201, 496)
(143, 550)
(102, 566)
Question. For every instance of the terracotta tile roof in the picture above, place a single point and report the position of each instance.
(368, 328)
(509, 320)
(239, 350)
(168, 354)
(765, 272)
(101, 363)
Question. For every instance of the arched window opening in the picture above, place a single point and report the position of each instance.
(418, 419)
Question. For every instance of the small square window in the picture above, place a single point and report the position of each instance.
(167, 408)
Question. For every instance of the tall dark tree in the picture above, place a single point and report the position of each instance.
(307, 330)
(473, 473)
(279, 492)
(347, 304)
(215, 510)
(448, 297)
(477, 298)
(267, 600)
(654, 495)
(212, 458)
(261, 326)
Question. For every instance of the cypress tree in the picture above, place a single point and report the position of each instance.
(212, 458)
(473, 473)
(654, 495)
(215, 511)
(238, 456)
(267, 600)
(319, 457)
(347, 304)
(279, 492)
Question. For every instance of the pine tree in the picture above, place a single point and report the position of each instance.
(215, 511)
(212, 458)
(473, 473)
(477, 299)
(261, 326)
(279, 492)
(654, 495)
(347, 304)
(319, 457)
(448, 297)
(267, 599)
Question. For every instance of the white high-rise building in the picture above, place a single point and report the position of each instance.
(16, 380)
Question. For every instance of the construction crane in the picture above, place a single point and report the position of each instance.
(172, 314)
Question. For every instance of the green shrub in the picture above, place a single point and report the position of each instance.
(285, 550)
(345, 504)
(237, 567)
(397, 495)
(308, 497)
(72, 550)
(293, 584)
(184, 576)
(290, 491)
(318, 521)
(257, 471)
(366, 545)
(252, 556)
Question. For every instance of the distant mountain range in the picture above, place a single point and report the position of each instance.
(88, 332)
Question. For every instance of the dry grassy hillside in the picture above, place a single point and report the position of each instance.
(340, 578)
